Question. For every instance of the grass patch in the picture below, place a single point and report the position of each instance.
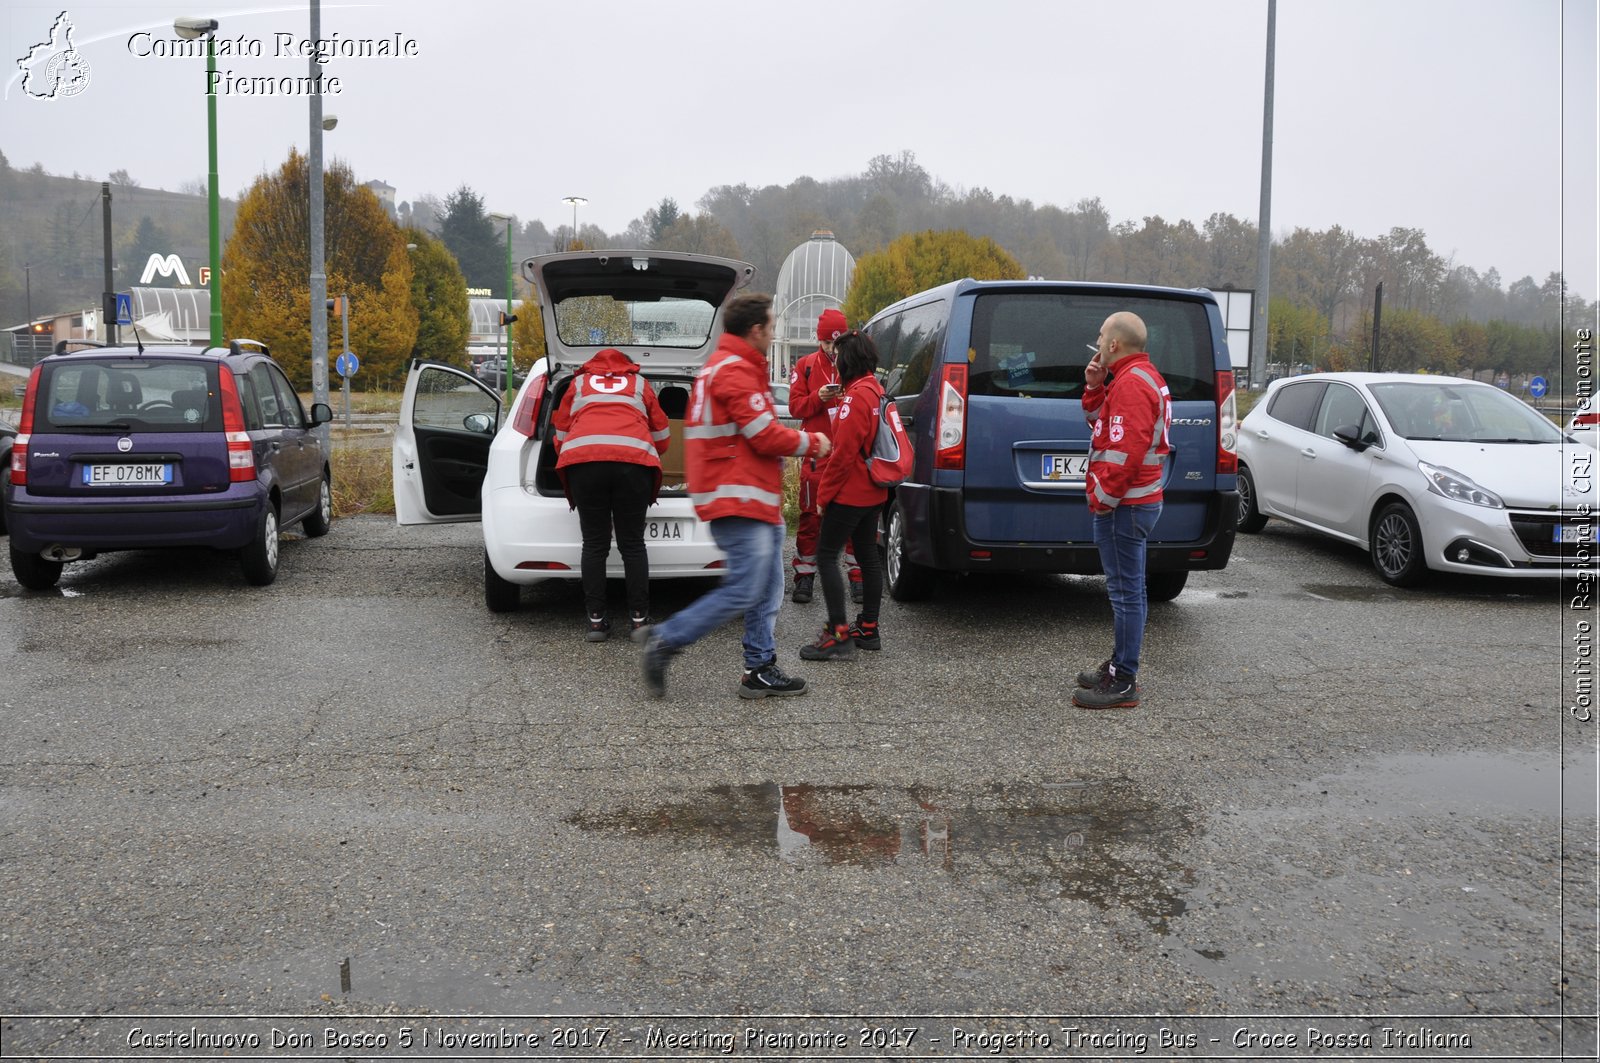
(361, 477)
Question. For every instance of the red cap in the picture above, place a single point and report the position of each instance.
(831, 325)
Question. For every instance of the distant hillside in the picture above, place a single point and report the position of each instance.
(54, 224)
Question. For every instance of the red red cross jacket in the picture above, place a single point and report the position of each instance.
(810, 373)
(610, 413)
(1131, 416)
(734, 443)
(844, 473)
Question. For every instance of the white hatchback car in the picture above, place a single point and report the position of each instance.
(1424, 472)
(456, 460)
(1585, 427)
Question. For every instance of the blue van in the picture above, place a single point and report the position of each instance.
(988, 377)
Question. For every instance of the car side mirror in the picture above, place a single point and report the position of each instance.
(321, 413)
(480, 423)
(1350, 436)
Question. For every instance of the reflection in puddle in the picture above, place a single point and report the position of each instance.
(1095, 842)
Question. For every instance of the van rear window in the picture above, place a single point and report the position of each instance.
(1036, 344)
(127, 394)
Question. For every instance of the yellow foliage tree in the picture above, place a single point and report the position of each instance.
(267, 265)
(527, 333)
(918, 261)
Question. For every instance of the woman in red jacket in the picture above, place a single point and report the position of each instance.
(850, 503)
(610, 435)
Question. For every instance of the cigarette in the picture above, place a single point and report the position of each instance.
(1095, 347)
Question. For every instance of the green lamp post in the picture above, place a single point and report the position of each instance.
(192, 29)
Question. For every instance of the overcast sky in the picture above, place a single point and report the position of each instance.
(1457, 117)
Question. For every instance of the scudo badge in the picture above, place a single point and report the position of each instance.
(125, 444)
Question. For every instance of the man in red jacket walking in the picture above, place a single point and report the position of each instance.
(735, 446)
(815, 391)
(1128, 451)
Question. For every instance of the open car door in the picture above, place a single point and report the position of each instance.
(441, 446)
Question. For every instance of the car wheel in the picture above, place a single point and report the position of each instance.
(260, 558)
(1164, 586)
(500, 595)
(34, 572)
(321, 518)
(1396, 549)
(907, 581)
(1251, 519)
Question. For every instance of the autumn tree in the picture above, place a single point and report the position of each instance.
(265, 294)
(924, 260)
(527, 333)
(439, 293)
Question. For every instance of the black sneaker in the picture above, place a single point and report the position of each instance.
(599, 629)
(656, 658)
(638, 627)
(769, 681)
(1088, 680)
(864, 633)
(857, 593)
(802, 589)
(1111, 692)
(835, 644)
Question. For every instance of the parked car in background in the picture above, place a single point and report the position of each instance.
(1425, 473)
(8, 435)
(492, 371)
(456, 459)
(1584, 426)
(988, 378)
(780, 395)
(123, 448)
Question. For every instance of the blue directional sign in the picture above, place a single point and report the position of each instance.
(124, 308)
(347, 363)
(597, 335)
(1538, 386)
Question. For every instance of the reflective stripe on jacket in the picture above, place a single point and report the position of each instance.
(1131, 415)
(610, 413)
(734, 443)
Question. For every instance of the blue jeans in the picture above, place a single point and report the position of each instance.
(1121, 536)
(753, 586)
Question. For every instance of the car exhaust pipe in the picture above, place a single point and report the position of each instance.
(57, 552)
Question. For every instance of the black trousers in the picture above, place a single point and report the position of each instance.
(612, 496)
(842, 524)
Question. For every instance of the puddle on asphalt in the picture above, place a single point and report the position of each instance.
(1099, 842)
(1487, 783)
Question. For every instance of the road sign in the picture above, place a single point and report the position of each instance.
(124, 308)
(347, 363)
(1538, 386)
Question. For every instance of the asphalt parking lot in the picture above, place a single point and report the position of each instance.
(1341, 808)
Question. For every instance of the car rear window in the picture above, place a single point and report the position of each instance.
(129, 394)
(602, 321)
(1036, 344)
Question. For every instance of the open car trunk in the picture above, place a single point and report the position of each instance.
(672, 391)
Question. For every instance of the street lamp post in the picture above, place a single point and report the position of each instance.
(576, 202)
(192, 29)
(508, 318)
(319, 276)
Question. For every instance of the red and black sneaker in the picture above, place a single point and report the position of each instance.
(599, 629)
(835, 644)
(864, 633)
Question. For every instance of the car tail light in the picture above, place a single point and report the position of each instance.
(241, 452)
(19, 446)
(1227, 426)
(951, 441)
(526, 414)
(1586, 420)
